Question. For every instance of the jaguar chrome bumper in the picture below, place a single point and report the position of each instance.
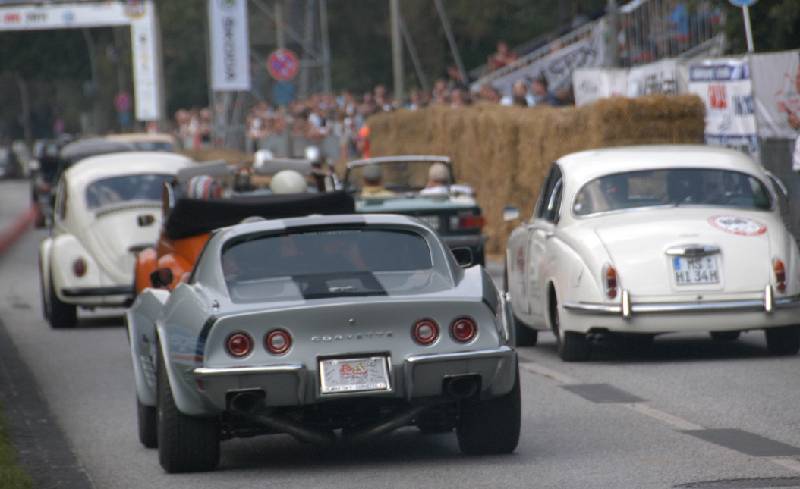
(626, 308)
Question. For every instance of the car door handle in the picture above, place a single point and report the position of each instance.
(544, 233)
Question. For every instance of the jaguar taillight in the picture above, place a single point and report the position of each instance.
(239, 344)
(464, 329)
(425, 332)
(278, 341)
(610, 281)
(780, 275)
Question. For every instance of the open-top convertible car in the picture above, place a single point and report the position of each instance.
(107, 210)
(308, 325)
(423, 187)
(648, 240)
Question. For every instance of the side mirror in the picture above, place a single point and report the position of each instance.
(161, 278)
(463, 257)
(510, 213)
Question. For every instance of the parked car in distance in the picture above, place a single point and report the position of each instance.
(312, 324)
(107, 210)
(403, 185)
(648, 240)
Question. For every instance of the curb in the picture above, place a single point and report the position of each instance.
(17, 229)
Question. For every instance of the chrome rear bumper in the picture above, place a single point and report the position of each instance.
(627, 308)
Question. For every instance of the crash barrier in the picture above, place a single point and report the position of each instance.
(505, 152)
(16, 229)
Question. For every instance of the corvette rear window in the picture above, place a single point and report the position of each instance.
(328, 263)
(118, 190)
(672, 187)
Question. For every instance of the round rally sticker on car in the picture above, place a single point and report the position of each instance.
(741, 226)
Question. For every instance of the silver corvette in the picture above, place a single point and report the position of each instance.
(325, 328)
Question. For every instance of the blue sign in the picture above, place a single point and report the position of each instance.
(742, 3)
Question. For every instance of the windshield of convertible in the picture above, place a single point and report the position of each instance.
(672, 187)
(396, 178)
(120, 190)
(330, 263)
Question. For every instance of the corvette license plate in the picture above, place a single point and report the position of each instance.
(700, 270)
(354, 375)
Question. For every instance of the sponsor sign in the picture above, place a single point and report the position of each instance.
(591, 84)
(660, 77)
(740, 226)
(229, 45)
(726, 89)
(776, 81)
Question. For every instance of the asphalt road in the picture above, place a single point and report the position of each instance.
(692, 413)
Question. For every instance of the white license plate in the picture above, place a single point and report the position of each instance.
(354, 375)
(696, 270)
(432, 221)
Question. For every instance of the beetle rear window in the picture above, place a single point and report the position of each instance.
(672, 186)
(329, 263)
(119, 190)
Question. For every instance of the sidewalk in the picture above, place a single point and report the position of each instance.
(16, 214)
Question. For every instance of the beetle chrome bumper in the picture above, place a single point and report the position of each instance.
(767, 304)
(417, 376)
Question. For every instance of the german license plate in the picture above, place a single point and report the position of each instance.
(354, 375)
(699, 270)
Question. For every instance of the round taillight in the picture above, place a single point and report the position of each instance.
(239, 344)
(425, 331)
(464, 330)
(278, 341)
(79, 267)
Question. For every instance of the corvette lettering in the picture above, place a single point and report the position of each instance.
(355, 336)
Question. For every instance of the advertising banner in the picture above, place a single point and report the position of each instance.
(591, 84)
(654, 78)
(725, 87)
(229, 45)
(776, 81)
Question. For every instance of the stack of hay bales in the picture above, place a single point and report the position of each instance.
(505, 152)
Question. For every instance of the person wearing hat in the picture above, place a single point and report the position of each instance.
(438, 180)
(373, 183)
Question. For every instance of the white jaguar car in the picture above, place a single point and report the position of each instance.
(655, 239)
(107, 209)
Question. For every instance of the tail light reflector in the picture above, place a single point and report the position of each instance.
(239, 344)
(780, 275)
(464, 330)
(610, 281)
(79, 267)
(278, 341)
(425, 331)
(465, 222)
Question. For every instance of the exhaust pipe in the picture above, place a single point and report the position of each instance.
(462, 387)
(251, 406)
(382, 427)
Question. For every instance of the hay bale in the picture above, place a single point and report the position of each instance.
(506, 152)
(231, 156)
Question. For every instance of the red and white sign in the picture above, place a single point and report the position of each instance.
(740, 226)
(283, 64)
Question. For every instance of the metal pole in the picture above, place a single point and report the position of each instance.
(612, 29)
(326, 47)
(412, 53)
(397, 50)
(279, 24)
(448, 32)
(748, 30)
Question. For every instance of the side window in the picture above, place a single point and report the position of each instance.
(546, 192)
(553, 202)
(61, 201)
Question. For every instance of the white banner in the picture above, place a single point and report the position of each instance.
(146, 64)
(727, 92)
(653, 78)
(63, 16)
(229, 44)
(776, 81)
(591, 84)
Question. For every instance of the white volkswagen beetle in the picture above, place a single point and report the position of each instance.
(107, 209)
(655, 239)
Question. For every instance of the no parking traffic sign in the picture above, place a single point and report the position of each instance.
(283, 64)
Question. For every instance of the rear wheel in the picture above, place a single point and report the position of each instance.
(491, 426)
(60, 314)
(185, 443)
(148, 429)
(783, 341)
(572, 346)
(725, 335)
